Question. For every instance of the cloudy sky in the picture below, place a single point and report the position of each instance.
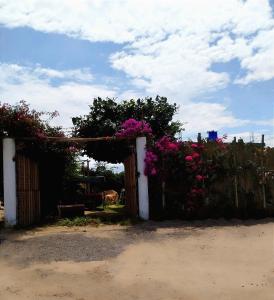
(215, 58)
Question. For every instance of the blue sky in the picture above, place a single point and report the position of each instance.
(215, 61)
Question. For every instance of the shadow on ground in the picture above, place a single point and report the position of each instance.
(75, 247)
(22, 247)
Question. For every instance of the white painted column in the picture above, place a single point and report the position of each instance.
(142, 179)
(9, 174)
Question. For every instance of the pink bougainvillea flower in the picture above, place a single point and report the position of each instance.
(153, 172)
(195, 155)
(219, 140)
(150, 163)
(173, 147)
(151, 157)
(188, 158)
(194, 145)
(134, 128)
(200, 177)
(165, 145)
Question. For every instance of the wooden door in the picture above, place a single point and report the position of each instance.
(130, 184)
(28, 192)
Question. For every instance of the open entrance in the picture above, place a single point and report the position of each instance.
(36, 188)
(101, 189)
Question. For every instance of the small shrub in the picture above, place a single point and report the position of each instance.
(79, 221)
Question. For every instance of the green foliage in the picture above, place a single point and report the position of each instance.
(113, 180)
(106, 116)
(20, 121)
(78, 221)
(106, 220)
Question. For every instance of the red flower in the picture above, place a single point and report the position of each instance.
(165, 145)
(200, 177)
(195, 155)
(188, 158)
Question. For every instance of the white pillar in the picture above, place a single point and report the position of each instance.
(142, 179)
(9, 174)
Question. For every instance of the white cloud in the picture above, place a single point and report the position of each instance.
(70, 98)
(22, 73)
(81, 75)
(169, 49)
(202, 117)
(102, 20)
(166, 41)
(178, 73)
(260, 65)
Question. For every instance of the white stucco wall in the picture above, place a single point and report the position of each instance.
(9, 174)
(142, 179)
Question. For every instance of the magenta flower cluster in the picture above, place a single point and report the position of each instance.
(166, 145)
(150, 163)
(134, 128)
(163, 146)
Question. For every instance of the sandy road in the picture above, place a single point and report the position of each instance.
(167, 260)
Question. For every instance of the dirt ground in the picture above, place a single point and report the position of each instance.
(166, 260)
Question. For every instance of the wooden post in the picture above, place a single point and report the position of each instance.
(199, 138)
(88, 184)
(131, 183)
(236, 191)
(163, 194)
(235, 179)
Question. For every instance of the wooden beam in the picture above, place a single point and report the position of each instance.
(75, 139)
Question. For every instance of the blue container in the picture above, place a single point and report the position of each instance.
(212, 135)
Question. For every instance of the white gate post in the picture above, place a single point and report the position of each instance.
(9, 175)
(142, 179)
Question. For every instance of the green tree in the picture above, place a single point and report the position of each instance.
(106, 115)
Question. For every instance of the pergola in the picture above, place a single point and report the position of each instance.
(10, 176)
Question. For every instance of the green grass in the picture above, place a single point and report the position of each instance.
(114, 208)
(85, 221)
(112, 214)
(78, 221)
